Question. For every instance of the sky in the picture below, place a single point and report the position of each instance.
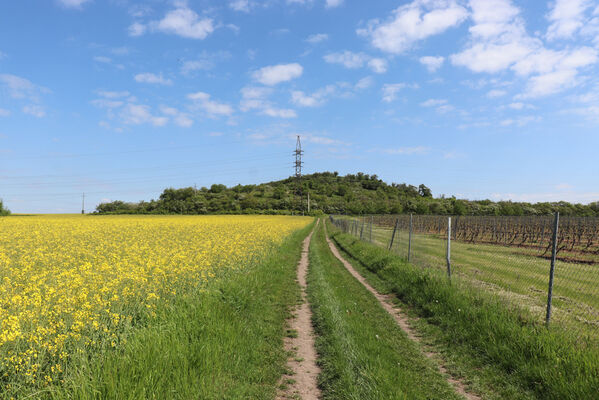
(119, 99)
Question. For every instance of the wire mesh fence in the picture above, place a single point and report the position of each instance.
(511, 257)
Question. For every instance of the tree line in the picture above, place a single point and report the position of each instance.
(331, 193)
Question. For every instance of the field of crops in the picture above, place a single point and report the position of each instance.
(73, 285)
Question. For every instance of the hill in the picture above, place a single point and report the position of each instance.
(331, 193)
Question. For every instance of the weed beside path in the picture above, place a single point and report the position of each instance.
(507, 354)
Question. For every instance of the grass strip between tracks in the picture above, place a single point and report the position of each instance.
(363, 354)
(223, 342)
(499, 348)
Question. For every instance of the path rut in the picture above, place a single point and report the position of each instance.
(400, 319)
(302, 383)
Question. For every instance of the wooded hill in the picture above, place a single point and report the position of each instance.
(331, 193)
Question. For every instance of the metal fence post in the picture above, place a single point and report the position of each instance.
(552, 269)
(449, 247)
(393, 234)
(362, 230)
(410, 238)
(371, 222)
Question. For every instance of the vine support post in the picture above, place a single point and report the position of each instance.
(449, 247)
(552, 269)
(371, 223)
(410, 237)
(393, 234)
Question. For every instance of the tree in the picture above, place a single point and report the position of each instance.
(3, 211)
(423, 191)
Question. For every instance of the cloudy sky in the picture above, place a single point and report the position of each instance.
(118, 99)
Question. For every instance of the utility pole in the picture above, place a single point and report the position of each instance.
(298, 173)
(83, 203)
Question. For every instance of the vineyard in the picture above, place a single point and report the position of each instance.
(578, 239)
(508, 256)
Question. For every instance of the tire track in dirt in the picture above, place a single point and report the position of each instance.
(302, 383)
(386, 302)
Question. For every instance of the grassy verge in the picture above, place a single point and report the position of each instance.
(506, 353)
(363, 353)
(224, 341)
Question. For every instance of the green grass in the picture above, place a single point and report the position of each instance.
(514, 275)
(224, 341)
(500, 347)
(362, 352)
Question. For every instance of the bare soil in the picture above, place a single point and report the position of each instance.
(301, 383)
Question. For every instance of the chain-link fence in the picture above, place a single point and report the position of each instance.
(515, 258)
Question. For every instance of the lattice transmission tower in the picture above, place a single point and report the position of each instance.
(298, 174)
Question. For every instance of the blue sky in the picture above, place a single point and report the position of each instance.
(120, 99)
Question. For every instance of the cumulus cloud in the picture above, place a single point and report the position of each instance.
(566, 17)
(182, 21)
(4, 112)
(315, 99)
(333, 3)
(139, 114)
(240, 5)
(276, 74)
(148, 77)
(353, 60)
(137, 29)
(413, 22)
(419, 150)
(499, 41)
(213, 108)
(495, 93)
(431, 63)
(179, 118)
(317, 38)
(35, 110)
(390, 91)
(433, 102)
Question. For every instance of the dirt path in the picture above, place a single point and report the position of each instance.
(401, 319)
(302, 384)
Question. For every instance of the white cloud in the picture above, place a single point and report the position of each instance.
(499, 41)
(139, 114)
(112, 95)
(432, 63)
(148, 77)
(348, 59)
(179, 118)
(77, 4)
(519, 106)
(566, 17)
(240, 5)
(520, 121)
(414, 22)
(103, 59)
(317, 38)
(18, 88)
(137, 29)
(364, 83)
(106, 103)
(212, 108)
(195, 65)
(315, 99)
(353, 60)
(390, 91)
(279, 112)
(275, 74)
(333, 3)
(185, 22)
(4, 112)
(433, 102)
(35, 110)
(495, 93)
(378, 65)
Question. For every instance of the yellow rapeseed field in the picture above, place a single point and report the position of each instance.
(77, 284)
